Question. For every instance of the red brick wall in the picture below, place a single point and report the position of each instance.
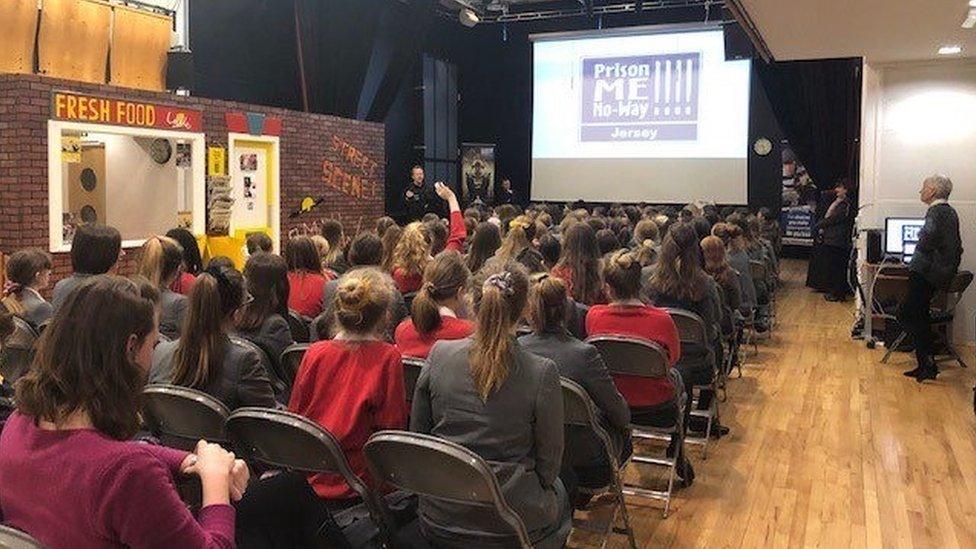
(25, 107)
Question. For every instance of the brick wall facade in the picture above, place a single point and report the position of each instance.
(305, 143)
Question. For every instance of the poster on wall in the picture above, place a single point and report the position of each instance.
(477, 172)
(799, 201)
(184, 155)
(219, 205)
(71, 149)
(250, 188)
(216, 161)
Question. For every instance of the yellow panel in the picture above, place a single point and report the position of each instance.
(140, 41)
(17, 42)
(73, 39)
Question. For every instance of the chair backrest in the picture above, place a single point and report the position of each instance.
(277, 381)
(291, 359)
(439, 469)
(625, 355)
(24, 335)
(957, 286)
(580, 410)
(11, 538)
(292, 442)
(181, 416)
(412, 366)
(299, 326)
(691, 327)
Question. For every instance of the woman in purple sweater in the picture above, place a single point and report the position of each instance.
(69, 476)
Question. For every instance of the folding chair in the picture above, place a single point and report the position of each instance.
(290, 442)
(181, 416)
(760, 273)
(18, 350)
(291, 359)
(942, 315)
(281, 389)
(299, 326)
(579, 410)
(632, 356)
(889, 291)
(412, 366)
(11, 538)
(435, 468)
(692, 332)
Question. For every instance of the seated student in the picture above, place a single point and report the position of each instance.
(95, 249)
(305, 280)
(517, 245)
(679, 282)
(160, 261)
(353, 384)
(99, 488)
(204, 357)
(335, 234)
(28, 274)
(606, 242)
(582, 363)
(717, 266)
(437, 307)
(192, 263)
(485, 242)
(579, 267)
(257, 243)
(490, 395)
(731, 235)
(263, 319)
(365, 250)
(551, 249)
(390, 239)
(417, 245)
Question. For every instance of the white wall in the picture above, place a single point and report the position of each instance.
(141, 195)
(920, 119)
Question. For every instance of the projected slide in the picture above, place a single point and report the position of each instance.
(654, 117)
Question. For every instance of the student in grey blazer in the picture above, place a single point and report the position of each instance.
(95, 249)
(205, 358)
(262, 320)
(584, 461)
(28, 272)
(490, 395)
(160, 260)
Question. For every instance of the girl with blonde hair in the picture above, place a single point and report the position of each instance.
(160, 262)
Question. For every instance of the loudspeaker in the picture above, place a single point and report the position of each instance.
(875, 242)
(737, 43)
(179, 70)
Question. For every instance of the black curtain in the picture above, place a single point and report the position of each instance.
(818, 105)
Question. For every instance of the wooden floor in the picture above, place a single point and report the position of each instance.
(829, 448)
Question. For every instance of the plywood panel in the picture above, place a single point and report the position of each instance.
(73, 39)
(140, 41)
(17, 39)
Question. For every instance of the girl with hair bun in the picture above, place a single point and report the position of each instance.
(489, 394)
(28, 274)
(204, 357)
(160, 261)
(353, 384)
(436, 309)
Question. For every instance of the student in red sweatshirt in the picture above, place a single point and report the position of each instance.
(305, 278)
(69, 474)
(413, 251)
(435, 312)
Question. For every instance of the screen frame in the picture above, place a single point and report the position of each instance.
(888, 220)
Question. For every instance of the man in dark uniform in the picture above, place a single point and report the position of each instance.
(418, 199)
(932, 268)
(504, 194)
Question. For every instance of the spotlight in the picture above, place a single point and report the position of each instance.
(950, 50)
(468, 17)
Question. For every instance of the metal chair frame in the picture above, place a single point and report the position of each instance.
(580, 410)
(202, 402)
(655, 367)
(692, 331)
(375, 448)
(412, 366)
(291, 359)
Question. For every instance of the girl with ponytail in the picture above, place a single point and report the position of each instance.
(204, 357)
(517, 245)
(28, 274)
(492, 396)
(435, 311)
(353, 384)
(161, 261)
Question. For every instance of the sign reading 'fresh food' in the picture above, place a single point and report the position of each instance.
(120, 112)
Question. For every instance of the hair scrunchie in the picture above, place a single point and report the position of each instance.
(11, 287)
(501, 281)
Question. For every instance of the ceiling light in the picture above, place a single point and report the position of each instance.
(972, 3)
(468, 17)
(950, 50)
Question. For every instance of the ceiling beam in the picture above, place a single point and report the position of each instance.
(750, 28)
